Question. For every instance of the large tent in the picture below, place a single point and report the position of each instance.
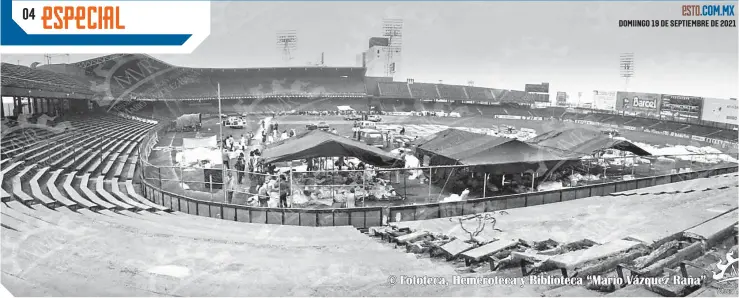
(490, 154)
(188, 120)
(318, 143)
(584, 141)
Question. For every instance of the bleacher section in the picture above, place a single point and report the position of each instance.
(394, 90)
(84, 203)
(452, 92)
(37, 79)
(424, 91)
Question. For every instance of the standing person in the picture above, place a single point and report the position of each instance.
(310, 165)
(226, 158)
(230, 187)
(250, 167)
(263, 195)
(284, 191)
(240, 166)
(402, 130)
(351, 199)
(340, 163)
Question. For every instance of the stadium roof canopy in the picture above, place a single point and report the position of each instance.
(318, 143)
(584, 141)
(488, 153)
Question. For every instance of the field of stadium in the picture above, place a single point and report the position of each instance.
(92, 205)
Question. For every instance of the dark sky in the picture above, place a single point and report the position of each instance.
(574, 46)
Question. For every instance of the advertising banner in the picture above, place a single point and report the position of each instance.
(680, 107)
(720, 110)
(561, 98)
(538, 88)
(638, 104)
(604, 100)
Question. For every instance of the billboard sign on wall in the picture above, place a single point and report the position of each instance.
(637, 103)
(538, 88)
(604, 100)
(720, 110)
(680, 107)
(561, 99)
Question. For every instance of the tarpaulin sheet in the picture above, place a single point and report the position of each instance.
(490, 154)
(189, 143)
(318, 143)
(187, 120)
(584, 141)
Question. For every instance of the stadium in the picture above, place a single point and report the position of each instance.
(119, 178)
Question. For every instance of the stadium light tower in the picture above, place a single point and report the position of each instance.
(287, 42)
(48, 57)
(627, 67)
(392, 29)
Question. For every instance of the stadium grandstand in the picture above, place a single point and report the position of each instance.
(89, 210)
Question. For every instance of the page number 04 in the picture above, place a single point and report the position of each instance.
(28, 14)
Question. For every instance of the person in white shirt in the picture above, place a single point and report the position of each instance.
(284, 135)
(351, 199)
(229, 143)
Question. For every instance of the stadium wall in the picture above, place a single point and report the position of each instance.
(720, 111)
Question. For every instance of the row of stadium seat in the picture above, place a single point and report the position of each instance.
(38, 79)
(74, 195)
(654, 124)
(401, 90)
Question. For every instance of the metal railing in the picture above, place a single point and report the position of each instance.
(162, 189)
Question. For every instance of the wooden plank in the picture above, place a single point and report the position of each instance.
(488, 249)
(73, 193)
(36, 189)
(132, 167)
(456, 247)
(18, 186)
(84, 182)
(133, 195)
(55, 193)
(715, 229)
(411, 237)
(571, 291)
(576, 258)
(633, 291)
(123, 198)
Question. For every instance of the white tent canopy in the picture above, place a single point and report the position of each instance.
(344, 108)
(209, 142)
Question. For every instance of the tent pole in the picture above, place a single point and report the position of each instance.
(290, 184)
(429, 179)
(485, 185)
